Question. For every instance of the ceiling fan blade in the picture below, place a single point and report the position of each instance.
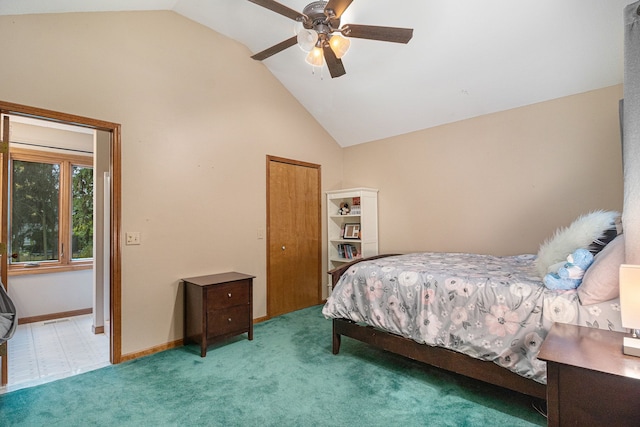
(336, 69)
(281, 9)
(371, 32)
(337, 6)
(275, 49)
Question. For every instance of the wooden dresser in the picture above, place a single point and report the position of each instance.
(217, 307)
(590, 382)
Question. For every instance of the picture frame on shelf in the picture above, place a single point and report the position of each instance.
(351, 231)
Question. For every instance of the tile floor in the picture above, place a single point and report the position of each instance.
(46, 351)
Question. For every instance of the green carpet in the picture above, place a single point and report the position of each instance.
(286, 376)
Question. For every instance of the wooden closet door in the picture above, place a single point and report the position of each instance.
(293, 236)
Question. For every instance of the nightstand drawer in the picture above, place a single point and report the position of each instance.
(229, 295)
(222, 322)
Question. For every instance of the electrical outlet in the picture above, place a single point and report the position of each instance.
(132, 237)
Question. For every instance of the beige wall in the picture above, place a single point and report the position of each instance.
(499, 183)
(198, 118)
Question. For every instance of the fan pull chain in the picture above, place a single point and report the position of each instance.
(313, 72)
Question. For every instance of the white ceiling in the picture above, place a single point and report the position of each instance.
(467, 57)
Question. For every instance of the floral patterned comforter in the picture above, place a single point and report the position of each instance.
(488, 307)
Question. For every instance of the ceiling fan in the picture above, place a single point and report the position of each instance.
(322, 34)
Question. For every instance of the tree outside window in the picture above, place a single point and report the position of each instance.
(82, 215)
(34, 216)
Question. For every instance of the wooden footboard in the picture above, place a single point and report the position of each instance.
(439, 357)
(337, 272)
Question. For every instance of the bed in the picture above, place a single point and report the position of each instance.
(482, 316)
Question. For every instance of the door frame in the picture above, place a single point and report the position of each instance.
(115, 168)
(268, 209)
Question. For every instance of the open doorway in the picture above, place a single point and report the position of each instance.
(105, 310)
(57, 176)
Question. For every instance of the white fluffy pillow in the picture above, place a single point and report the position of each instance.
(580, 234)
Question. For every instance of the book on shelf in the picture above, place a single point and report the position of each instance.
(347, 251)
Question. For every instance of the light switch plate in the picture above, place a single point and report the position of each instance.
(132, 238)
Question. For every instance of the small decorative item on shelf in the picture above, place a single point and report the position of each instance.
(344, 209)
(355, 206)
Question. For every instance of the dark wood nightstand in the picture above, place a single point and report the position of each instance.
(217, 307)
(590, 382)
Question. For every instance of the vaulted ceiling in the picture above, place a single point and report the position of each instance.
(467, 57)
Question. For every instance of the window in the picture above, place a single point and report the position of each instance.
(51, 210)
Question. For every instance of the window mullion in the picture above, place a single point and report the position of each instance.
(64, 226)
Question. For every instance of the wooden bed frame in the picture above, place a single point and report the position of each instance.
(439, 357)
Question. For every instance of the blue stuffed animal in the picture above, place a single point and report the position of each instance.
(569, 276)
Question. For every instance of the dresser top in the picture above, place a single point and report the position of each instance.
(217, 279)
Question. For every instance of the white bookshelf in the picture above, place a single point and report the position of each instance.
(366, 243)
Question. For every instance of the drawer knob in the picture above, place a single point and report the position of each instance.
(229, 320)
(229, 294)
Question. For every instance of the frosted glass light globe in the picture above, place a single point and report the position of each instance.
(307, 39)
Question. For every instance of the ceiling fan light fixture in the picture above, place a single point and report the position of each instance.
(315, 57)
(339, 45)
(307, 39)
(321, 20)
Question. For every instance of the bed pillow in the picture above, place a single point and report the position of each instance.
(600, 282)
(582, 233)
